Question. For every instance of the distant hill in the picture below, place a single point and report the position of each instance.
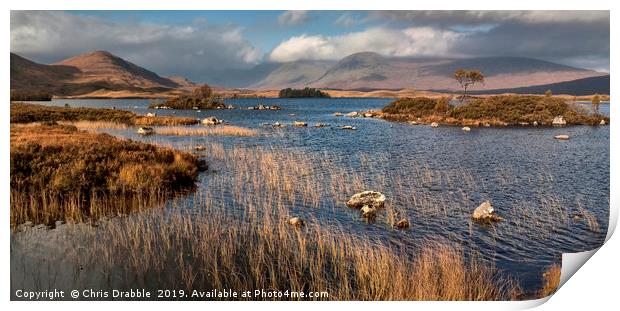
(579, 87)
(98, 72)
(369, 70)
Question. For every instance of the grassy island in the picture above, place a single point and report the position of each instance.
(201, 98)
(302, 93)
(61, 173)
(25, 113)
(494, 110)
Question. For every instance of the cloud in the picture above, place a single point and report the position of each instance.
(577, 38)
(190, 50)
(293, 18)
(413, 41)
(348, 19)
(478, 17)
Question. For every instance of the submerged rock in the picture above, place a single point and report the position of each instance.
(402, 224)
(558, 121)
(485, 212)
(561, 137)
(296, 222)
(368, 212)
(372, 199)
(145, 131)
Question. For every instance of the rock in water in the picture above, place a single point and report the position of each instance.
(434, 124)
(558, 121)
(466, 129)
(300, 123)
(352, 114)
(372, 199)
(211, 121)
(485, 212)
(402, 224)
(296, 222)
(145, 131)
(337, 114)
(561, 137)
(413, 122)
(348, 127)
(200, 148)
(602, 122)
(368, 212)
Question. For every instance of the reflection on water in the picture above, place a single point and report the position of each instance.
(535, 182)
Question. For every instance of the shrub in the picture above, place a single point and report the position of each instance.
(30, 96)
(201, 98)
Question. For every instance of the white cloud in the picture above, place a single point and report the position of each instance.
(187, 50)
(413, 41)
(293, 18)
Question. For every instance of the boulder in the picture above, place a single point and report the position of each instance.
(277, 124)
(368, 115)
(413, 123)
(200, 148)
(150, 114)
(352, 114)
(274, 107)
(145, 131)
(402, 224)
(434, 124)
(296, 222)
(368, 212)
(372, 199)
(348, 127)
(535, 123)
(602, 122)
(321, 125)
(558, 121)
(485, 212)
(466, 129)
(230, 107)
(561, 137)
(300, 123)
(337, 114)
(211, 121)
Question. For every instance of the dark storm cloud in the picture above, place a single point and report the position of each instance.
(194, 50)
(577, 38)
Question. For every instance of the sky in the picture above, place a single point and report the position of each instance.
(203, 45)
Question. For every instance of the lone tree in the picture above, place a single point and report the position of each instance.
(596, 101)
(467, 78)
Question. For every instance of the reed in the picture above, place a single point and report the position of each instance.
(551, 280)
(225, 130)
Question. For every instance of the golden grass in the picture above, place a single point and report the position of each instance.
(551, 280)
(225, 130)
(61, 173)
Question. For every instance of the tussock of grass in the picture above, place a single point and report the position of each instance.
(58, 172)
(551, 280)
(226, 130)
(494, 110)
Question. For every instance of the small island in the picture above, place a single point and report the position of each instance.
(302, 93)
(504, 110)
(201, 98)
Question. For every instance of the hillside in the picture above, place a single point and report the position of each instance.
(579, 87)
(91, 74)
(371, 71)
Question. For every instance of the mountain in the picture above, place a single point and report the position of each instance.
(98, 72)
(579, 87)
(368, 71)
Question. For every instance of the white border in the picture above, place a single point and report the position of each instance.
(595, 285)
